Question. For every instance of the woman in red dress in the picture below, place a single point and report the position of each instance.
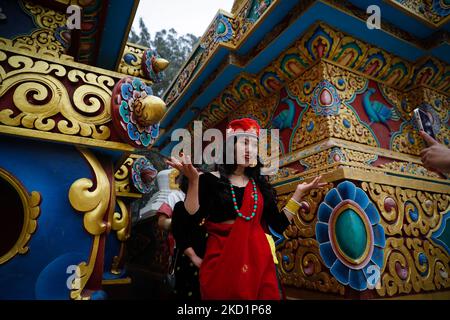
(239, 204)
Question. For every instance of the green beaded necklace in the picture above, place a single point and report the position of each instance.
(255, 200)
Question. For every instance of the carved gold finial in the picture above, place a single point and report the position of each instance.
(149, 110)
(160, 64)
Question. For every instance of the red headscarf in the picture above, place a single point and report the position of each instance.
(243, 126)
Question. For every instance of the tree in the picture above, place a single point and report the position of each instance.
(176, 49)
(133, 37)
(169, 45)
(144, 35)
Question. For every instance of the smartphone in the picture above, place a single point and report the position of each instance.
(424, 122)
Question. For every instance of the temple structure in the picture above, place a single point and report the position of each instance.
(342, 95)
(76, 107)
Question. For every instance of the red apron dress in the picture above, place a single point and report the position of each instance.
(238, 263)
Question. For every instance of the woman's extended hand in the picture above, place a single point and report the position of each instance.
(304, 188)
(185, 166)
(436, 157)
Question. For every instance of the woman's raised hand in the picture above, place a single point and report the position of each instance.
(185, 166)
(304, 188)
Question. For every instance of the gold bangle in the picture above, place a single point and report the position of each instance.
(287, 210)
(298, 203)
(292, 207)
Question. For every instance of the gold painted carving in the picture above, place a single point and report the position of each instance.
(122, 176)
(135, 68)
(305, 221)
(427, 207)
(403, 254)
(120, 221)
(408, 167)
(92, 202)
(39, 95)
(304, 267)
(358, 132)
(353, 83)
(48, 21)
(304, 138)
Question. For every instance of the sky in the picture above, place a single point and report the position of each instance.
(185, 16)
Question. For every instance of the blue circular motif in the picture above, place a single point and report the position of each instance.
(411, 139)
(139, 166)
(129, 58)
(359, 276)
(423, 261)
(310, 126)
(346, 123)
(224, 29)
(325, 99)
(62, 34)
(438, 102)
(128, 90)
(412, 211)
(441, 7)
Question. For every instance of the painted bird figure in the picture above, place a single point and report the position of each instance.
(377, 111)
(285, 119)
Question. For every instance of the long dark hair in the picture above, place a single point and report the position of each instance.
(225, 170)
(183, 182)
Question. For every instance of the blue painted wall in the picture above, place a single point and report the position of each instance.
(18, 22)
(60, 239)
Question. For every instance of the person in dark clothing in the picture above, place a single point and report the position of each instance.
(190, 237)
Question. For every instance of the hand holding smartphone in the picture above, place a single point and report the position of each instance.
(424, 123)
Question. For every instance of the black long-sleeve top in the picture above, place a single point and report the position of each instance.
(187, 231)
(219, 208)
